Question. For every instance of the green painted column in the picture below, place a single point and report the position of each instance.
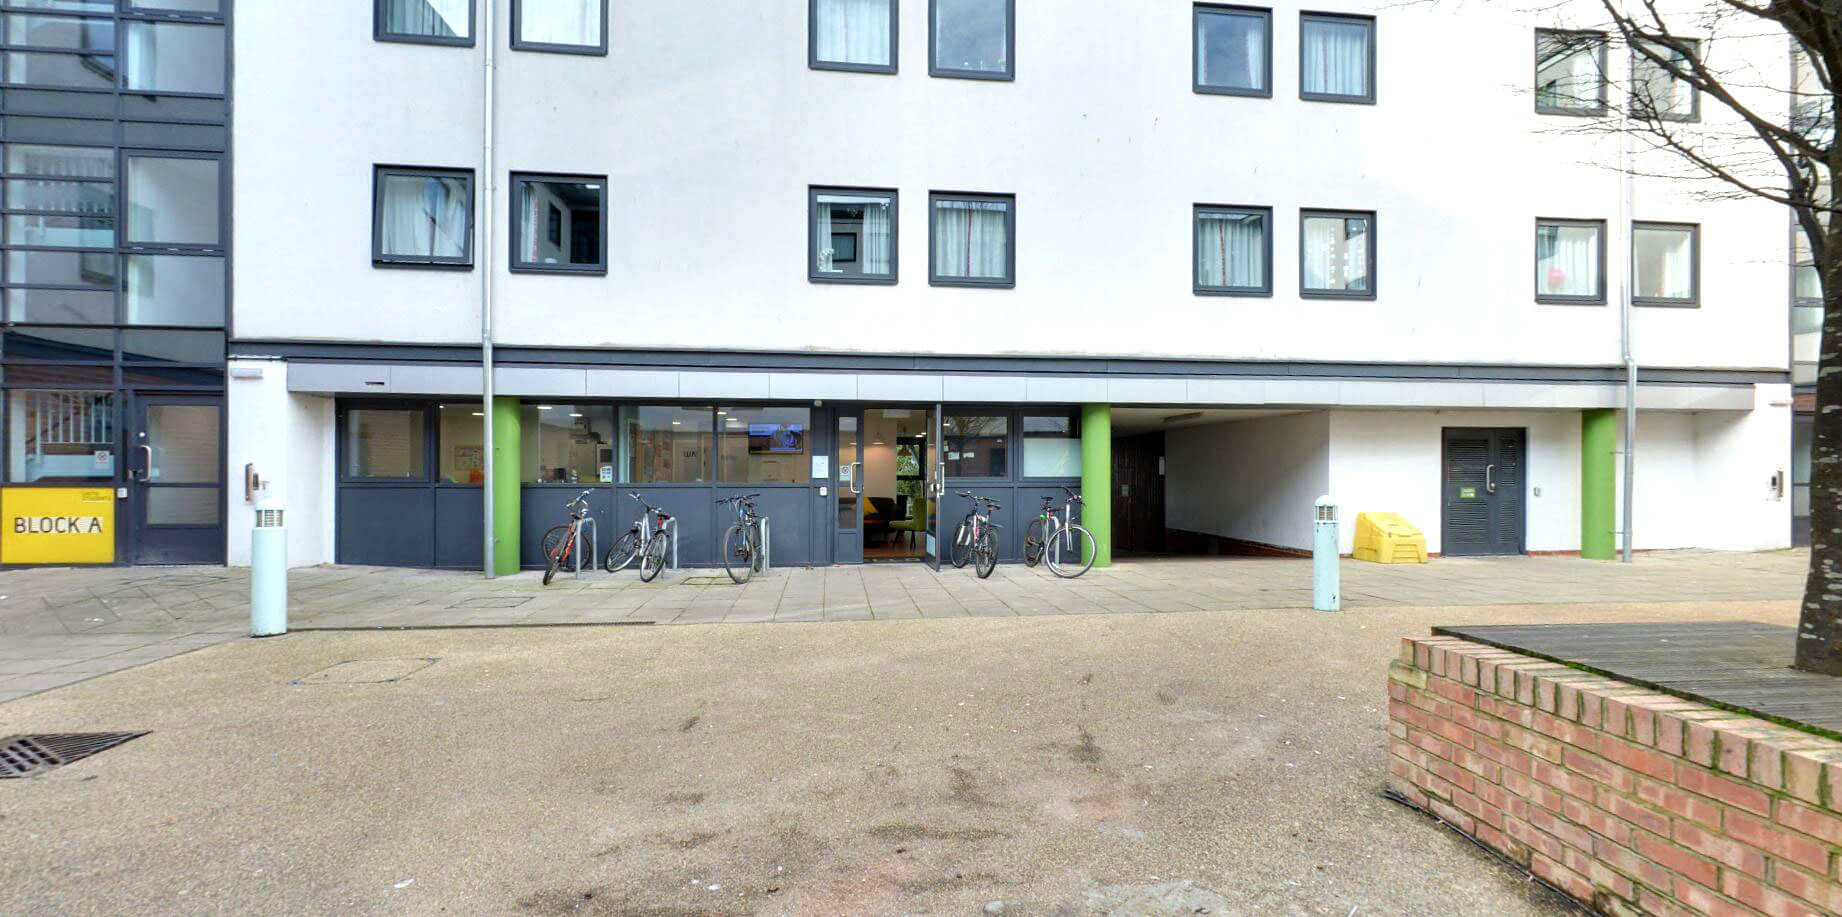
(1599, 484)
(507, 465)
(1097, 478)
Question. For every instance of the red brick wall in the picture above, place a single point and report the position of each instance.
(1634, 801)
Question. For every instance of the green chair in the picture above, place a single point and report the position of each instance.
(916, 521)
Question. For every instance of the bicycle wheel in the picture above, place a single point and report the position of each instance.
(738, 553)
(1033, 541)
(622, 552)
(962, 545)
(1072, 553)
(557, 546)
(985, 553)
(653, 560)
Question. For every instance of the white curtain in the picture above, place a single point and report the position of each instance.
(971, 239)
(1567, 71)
(443, 18)
(1665, 264)
(1567, 261)
(424, 217)
(1336, 254)
(1231, 251)
(822, 232)
(853, 32)
(1233, 51)
(560, 22)
(1336, 58)
(873, 253)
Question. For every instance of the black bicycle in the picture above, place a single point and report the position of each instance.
(976, 539)
(742, 555)
(649, 540)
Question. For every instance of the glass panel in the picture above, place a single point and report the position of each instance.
(173, 346)
(60, 32)
(665, 444)
(92, 269)
(560, 22)
(74, 307)
(172, 201)
(424, 216)
(460, 452)
(894, 477)
(972, 239)
(854, 233)
(173, 57)
(972, 35)
(848, 456)
(1336, 253)
(83, 71)
(1567, 71)
(60, 345)
(567, 443)
(60, 436)
(1567, 260)
(764, 445)
(60, 161)
(1806, 319)
(428, 18)
(1231, 250)
(60, 231)
(1334, 57)
(1051, 446)
(64, 197)
(976, 445)
(559, 223)
(184, 438)
(174, 290)
(182, 505)
(384, 444)
(1656, 90)
(57, 375)
(184, 6)
(1231, 50)
(1803, 435)
(852, 32)
(68, 6)
(1663, 259)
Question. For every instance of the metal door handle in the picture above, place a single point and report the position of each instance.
(147, 468)
(857, 479)
(940, 479)
(1490, 485)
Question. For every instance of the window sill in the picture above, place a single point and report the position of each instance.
(1344, 100)
(557, 269)
(437, 40)
(843, 67)
(1335, 295)
(1244, 293)
(986, 75)
(1570, 300)
(1203, 90)
(423, 265)
(986, 284)
(1666, 303)
(1598, 112)
(543, 48)
(852, 280)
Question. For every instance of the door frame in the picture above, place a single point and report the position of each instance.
(1493, 434)
(847, 544)
(137, 535)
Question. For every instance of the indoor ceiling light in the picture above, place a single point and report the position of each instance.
(676, 423)
(544, 407)
(478, 414)
(877, 443)
(575, 415)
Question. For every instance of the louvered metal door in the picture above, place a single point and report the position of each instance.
(1482, 491)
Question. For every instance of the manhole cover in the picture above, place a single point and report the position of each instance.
(367, 672)
(492, 601)
(704, 580)
(24, 756)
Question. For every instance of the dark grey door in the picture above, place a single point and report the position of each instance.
(1481, 491)
(177, 461)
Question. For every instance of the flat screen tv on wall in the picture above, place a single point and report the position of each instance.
(775, 438)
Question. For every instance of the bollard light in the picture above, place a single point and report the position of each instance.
(1326, 576)
(268, 571)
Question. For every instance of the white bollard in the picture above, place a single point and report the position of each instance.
(1326, 575)
(268, 571)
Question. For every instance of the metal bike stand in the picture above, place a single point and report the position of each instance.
(767, 546)
(671, 526)
(593, 549)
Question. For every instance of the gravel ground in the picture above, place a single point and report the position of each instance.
(1144, 763)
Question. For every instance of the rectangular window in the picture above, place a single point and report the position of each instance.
(976, 445)
(853, 35)
(1665, 268)
(560, 224)
(569, 26)
(80, 71)
(460, 451)
(173, 57)
(971, 39)
(1807, 285)
(59, 345)
(1336, 58)
(385, 444)
(1569, 72)
(441, 22)
(1570, 261)
(1656, 89)
(853, 236)
(61, 436)
(665, 444)
(1051, 445)
(173, 201)
(567, 443)
(66, 269)
(1234, 252)
(1233, 50)
(972, 240)
(57, 231)
(1336, 254)
(174, 290)
(60, 32)
(182, 6)
(423, 217)
(764, 445)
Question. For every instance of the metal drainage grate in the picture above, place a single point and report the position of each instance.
(26, 756)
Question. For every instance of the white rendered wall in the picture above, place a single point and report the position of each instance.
(712, 128)
(1739, 454)
(1255, 480)
(289, 438)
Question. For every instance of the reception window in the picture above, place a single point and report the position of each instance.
(977, 445)
(1051, 445)
(665, 444)
(567, 443)
(764, 445)
(462, 444)
(385, 444)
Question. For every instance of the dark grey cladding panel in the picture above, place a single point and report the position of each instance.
(21, 129)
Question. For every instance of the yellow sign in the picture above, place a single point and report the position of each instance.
(57, 525)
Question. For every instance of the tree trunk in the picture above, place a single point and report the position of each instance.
(1819, 631)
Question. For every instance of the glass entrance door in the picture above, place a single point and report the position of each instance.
(936, 481)
(848, 480)
(176, 463)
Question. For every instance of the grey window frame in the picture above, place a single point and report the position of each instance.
(1694, 114)
(515, 234)
(1556, 299)
(1305, 16)
(1010, 48)
(1305, 292)
(1009, 280)
(473, 19)
(895, 42)
(812, 236)
(1197, 11)
(1694, 299)
(545, 47)
(1604, 75)
(1196, 283)
(435, 262)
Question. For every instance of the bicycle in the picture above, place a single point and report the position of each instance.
(742, 556)
(976, 540)
(563, 541)
(1049, 535)
(647, 540)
